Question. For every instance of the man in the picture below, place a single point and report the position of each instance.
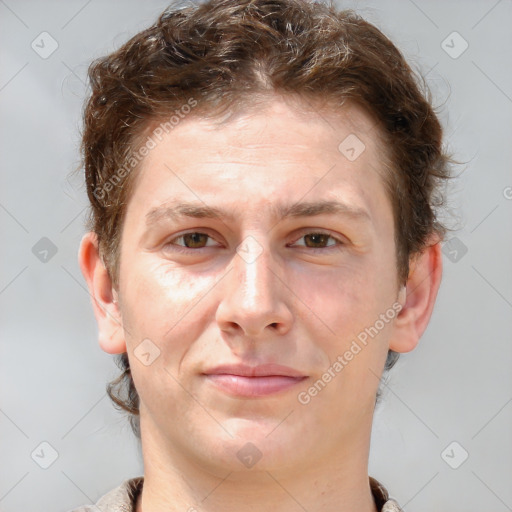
(263, 244)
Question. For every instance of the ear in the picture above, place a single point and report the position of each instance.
(417, 298)
(104, 301)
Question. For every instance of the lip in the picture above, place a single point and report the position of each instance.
(261, 370)
(254, 381)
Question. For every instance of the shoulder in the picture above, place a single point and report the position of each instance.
(381, 496)
(119, 499)
(391, 506)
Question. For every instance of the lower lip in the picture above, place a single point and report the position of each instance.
(238, 385)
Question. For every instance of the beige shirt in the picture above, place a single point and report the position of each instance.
(124, 497)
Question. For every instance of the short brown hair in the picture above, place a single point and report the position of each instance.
(224, 53)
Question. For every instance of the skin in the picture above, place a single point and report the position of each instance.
(300, 303)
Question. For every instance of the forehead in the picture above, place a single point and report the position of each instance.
(257, 157)
(280, 120)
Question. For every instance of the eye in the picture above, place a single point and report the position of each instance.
(314, 240)
(319, 240)
(193, 240)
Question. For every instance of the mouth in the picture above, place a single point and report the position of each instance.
(254, 381)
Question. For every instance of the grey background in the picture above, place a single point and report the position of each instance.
(455, 386)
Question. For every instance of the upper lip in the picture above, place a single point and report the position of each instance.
(262, 370)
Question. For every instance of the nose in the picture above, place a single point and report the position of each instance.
(255, 299)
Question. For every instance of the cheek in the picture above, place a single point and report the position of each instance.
(350, 303)
(163, 304)
(349, 298)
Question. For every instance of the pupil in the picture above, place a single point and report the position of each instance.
(193, 239)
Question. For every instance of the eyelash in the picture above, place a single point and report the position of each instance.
(183, 249)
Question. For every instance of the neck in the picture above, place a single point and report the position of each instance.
(175, 481)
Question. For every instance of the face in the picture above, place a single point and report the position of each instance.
(259, 246)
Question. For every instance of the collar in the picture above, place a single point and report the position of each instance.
(124, 497)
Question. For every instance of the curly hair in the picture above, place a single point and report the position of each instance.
(218, 56)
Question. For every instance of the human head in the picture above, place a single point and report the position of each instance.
(203, 61)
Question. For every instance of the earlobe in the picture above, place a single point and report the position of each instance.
(417, 298)
(103, 295)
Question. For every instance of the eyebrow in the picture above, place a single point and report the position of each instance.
(305, 209)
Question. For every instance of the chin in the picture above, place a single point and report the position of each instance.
(256, 446)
